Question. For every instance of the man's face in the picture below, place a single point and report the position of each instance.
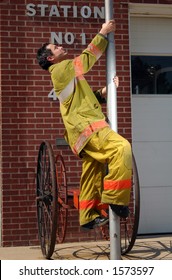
(59, 53)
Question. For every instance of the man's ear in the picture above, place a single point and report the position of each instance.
(50, 58)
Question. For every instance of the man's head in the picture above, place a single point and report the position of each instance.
(50, 54)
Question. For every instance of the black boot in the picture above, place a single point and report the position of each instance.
(97, 222)
(121, 210)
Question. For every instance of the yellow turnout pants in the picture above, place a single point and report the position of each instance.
(97, 186)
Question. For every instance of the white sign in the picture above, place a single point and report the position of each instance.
(68, 38)
(64, 11)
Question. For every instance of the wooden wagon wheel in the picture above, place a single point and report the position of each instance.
(46, 198)
(62, 207)
(129, 226)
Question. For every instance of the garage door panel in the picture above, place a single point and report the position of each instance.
(146, 34)
(154, 162)
(154, 118)
(156, 209)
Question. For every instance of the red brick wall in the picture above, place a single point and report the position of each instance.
(29, 116)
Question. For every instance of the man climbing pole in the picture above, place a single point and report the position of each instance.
(87, 131)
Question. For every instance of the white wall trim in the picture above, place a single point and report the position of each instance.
(153, 10)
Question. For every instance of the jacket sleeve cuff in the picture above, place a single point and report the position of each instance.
(102, 35)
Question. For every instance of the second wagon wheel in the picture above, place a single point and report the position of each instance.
(129, 226)
(46, 199)
(62, 206)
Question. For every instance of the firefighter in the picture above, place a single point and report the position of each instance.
(87, 131)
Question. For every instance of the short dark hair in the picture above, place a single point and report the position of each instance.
(42, 55)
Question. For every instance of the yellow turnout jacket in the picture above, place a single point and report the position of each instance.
(81, 112)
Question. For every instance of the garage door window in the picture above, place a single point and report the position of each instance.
(151, 74)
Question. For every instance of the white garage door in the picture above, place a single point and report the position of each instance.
(151, 49)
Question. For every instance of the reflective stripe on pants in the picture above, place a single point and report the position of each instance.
(98, 187)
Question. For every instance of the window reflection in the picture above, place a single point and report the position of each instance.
(151, 74)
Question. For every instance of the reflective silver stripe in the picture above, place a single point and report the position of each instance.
(94, 50)
(67, 91)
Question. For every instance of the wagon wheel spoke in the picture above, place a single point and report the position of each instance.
(62, 198)
(129, 226)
